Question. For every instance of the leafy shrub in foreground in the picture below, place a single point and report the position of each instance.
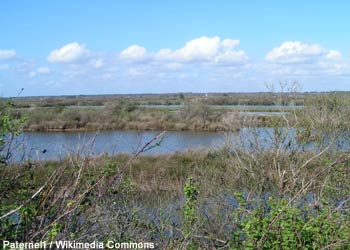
(280, 225)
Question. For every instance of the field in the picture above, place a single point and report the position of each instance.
(291, 194)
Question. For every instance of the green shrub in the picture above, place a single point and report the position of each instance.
(277, 224)
(11, 126)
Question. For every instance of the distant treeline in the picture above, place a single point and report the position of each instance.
(265, 98)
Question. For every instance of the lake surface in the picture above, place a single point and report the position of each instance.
(263, 113)
(56, 145)
(85, 107)
(59, 144)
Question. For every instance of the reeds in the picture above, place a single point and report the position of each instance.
(291, 191)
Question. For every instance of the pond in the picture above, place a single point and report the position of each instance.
(56, 145)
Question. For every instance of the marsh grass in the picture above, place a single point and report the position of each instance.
(237, 197)
(122, 214)
(127, 113)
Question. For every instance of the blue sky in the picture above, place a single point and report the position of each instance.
(96, 47)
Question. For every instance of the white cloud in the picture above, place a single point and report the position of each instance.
(43, 70)
(196, 59)
(134, 53)
(298, 52)
(70, 53)
(164, 54)
(230, 43)
(297, 59)
(334, 55)
(231, 56)
(340, 68)
(205, 49)
(98, 63)
(7, 54)
(213, 61)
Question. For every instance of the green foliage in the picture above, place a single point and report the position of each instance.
(8, 227)
(11, 126)
(78, 210)
(189, 208)
(279, 225)
(121, 108)
(17, 225)
(54, 231)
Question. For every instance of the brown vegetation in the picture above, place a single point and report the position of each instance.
(243, 196)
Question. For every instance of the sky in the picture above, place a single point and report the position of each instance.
(81, 47)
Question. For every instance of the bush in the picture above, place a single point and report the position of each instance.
(11, 126)
(277, 224)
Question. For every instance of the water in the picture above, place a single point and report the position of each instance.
(259, 107)
(56, 145)
(263, 113)
(162, 106)
(85, 107)
(240, 107)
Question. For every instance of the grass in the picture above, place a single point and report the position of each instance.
(125, 112)
(153, 184)
(127, 117)
(213, 168)
(230, 198)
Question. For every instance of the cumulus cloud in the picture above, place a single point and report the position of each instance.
(230, 43)
(203, 59)
(7, 54)
(164, 54)
(205, 49)
(70, 53)
(298, 52)
(334, 55)
(231, 56)
(298, 59)
(134, 53)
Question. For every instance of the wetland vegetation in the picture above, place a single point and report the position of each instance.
(196, 112)
(242, 195)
